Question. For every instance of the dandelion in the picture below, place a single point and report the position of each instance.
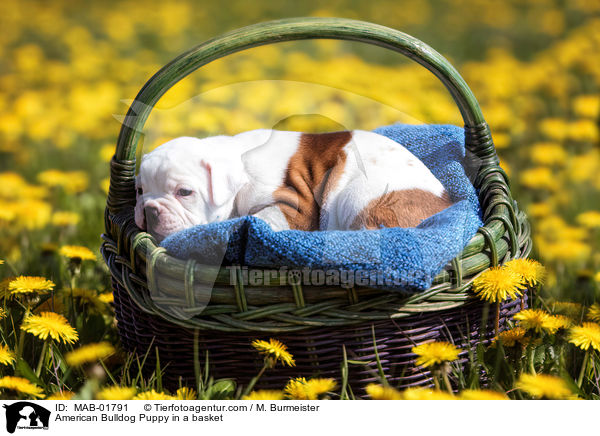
(497, 284)
(539, 210)
(378, 392)
(77, 253)
(29, 284)
(593, 312)
(116, 393)
(61, 396)
(50, 324)
(274, 351)
(426, 394)
(153, 395)
(557, 322)
(264, 395)
(585, 336)
(536, 319)
(435, 353)
(475, 394)
(106, 297)
(89, 353)
(597, 277)
(301, 389)
(539, 178)
(532, 272)
(7, 357)
(65, 219)
(21, 386)
(186, 393)
(589, 219)
(512, 337)
(2, 313)
(544, 386)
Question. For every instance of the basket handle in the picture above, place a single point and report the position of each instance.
(122, 182)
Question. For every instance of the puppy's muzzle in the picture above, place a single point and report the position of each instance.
(151, 217)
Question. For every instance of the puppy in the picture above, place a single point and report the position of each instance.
(306, 181)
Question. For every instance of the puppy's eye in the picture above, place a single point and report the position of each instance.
(140, 191)
(184, 192)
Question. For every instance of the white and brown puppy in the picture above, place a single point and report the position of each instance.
(324, 181)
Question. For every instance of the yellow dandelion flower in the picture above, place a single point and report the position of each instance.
(72, 182)
(29, 285)
(77, 252)
(536, 319)
(539, 178)
(512, 337)
(434, 353)
(497, 284)
(573, 310)
(474, 394)
(7, 357)
(116, 393)
(186, 393)
(426, 394)
(61, 396)
(589, 219)
(560, 322)
(532, 272)
(539, 210)
(597, 277)
(153, 395)
(89, 353)
(301, 389)
(378, 392)
(1, 262)
(65, 219)
(50, 324)
(21, 386)
(275, 351)
(2, 313)
(587, 106)
(264, 395)
(593, 312)
(105, 185)
(585, 336)
(544, 386)
(107, 151)
(548, 153)
(106, 297)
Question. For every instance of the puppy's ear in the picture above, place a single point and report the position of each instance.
(224, 182)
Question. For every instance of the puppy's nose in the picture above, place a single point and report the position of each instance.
(151, 214)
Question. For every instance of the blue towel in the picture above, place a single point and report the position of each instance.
(403, 259)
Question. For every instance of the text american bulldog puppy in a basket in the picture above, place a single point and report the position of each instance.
(346, 180)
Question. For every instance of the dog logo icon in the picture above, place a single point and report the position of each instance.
(26, 415)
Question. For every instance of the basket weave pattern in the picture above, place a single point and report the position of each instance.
(157, 297)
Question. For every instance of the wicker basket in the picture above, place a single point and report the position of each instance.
(159, 299)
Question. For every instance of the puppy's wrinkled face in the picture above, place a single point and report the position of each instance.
(182, 184)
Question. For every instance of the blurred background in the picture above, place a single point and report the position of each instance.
(69, 69)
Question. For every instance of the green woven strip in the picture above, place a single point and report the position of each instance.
(134, 245)
(240, 296)
(456, 263)
(512, 236)
(151, 272)
(188, 283)
(490, 244)
(352, 296)
(298, 294)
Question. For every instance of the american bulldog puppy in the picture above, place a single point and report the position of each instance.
(346, 180)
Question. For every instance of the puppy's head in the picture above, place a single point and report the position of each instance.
(186, 182)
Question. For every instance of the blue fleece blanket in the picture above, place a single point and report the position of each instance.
(404, 259)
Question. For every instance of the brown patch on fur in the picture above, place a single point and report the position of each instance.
(312, 172)
(406, 208)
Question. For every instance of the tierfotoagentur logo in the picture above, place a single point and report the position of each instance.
(24, 415)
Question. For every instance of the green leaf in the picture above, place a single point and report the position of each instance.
(23, 369)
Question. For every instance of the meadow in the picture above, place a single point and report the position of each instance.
(68, 71)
